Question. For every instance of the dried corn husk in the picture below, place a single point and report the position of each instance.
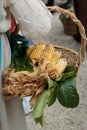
(23, 83)
(56, 70)
(47, 63)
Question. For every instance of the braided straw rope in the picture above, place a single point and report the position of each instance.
(81, 30)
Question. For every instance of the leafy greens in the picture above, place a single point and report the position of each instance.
(63, 89)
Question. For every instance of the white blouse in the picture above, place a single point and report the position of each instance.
(32, 15)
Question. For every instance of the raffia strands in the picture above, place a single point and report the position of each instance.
(23, 83)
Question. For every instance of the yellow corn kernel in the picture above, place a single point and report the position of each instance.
(48, 52)
(56, 70)
(30, 49)
(56, 56)
(36, 53)
(45, 57)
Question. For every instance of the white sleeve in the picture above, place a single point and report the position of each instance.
(33, 17)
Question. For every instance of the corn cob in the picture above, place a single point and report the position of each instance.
(53, 60)
(56, 70)
(45, 57)
(36, 53)
(48, 52)
(55, 57)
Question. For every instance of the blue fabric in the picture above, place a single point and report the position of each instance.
(0, 53)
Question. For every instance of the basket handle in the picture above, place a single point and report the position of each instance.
(78, 23)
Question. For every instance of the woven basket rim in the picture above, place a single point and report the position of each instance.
(66, 48)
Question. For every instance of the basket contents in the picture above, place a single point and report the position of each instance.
(43, 73)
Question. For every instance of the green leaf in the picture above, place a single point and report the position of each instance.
(51, 83)
(67, 93)
(12, 65)
(29, 60)
(68, 73)
(40, 120)
(22, 64)
(59, 79)
(71, 68)
(52, 97)
(40, 104)
(24, 68)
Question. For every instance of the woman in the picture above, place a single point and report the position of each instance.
(80, 11)
(34, 22)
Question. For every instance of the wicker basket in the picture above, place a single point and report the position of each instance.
(24, 83)
(74, 58)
